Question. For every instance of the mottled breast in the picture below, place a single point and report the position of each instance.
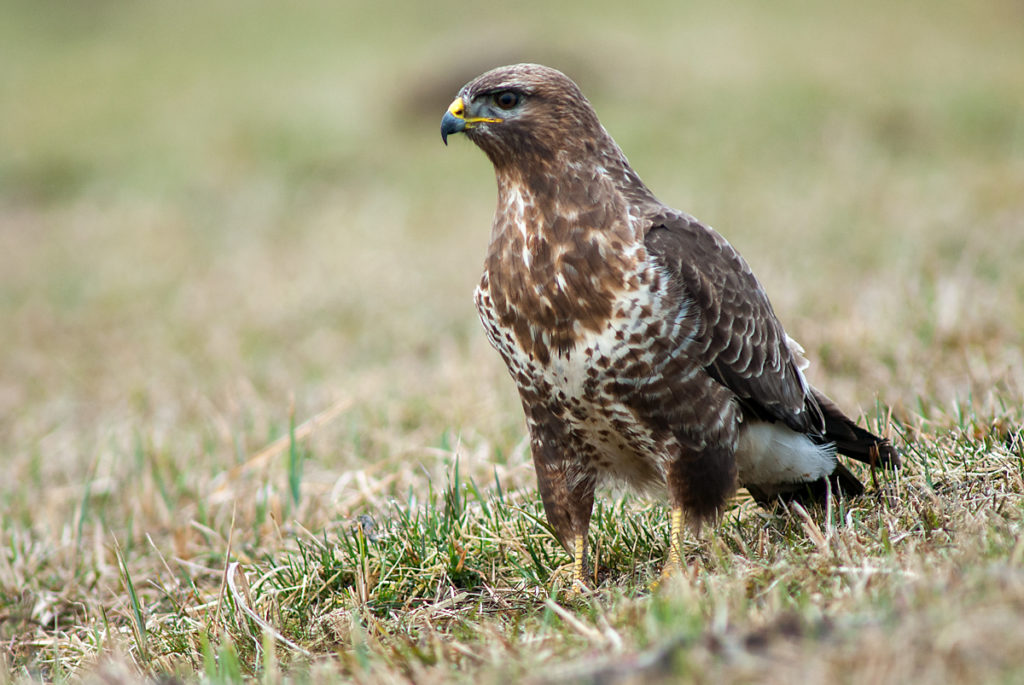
(592, 376)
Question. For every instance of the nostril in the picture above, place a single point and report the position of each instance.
(458, 107)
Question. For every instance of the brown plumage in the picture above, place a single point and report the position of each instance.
(643, 346)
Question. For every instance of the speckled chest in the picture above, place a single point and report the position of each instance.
(587, 373)
(561, 356)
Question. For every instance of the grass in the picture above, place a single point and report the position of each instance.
(251, 428)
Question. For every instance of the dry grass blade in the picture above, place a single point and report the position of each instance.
(591, 634)
(260, 459)
(810, 526)
(242, 601)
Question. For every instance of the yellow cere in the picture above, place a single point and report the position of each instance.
(458, 109)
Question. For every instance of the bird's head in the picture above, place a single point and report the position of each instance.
(521, 111)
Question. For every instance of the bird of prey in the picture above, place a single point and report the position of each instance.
(644, 348)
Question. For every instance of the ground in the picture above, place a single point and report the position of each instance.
(251, 427)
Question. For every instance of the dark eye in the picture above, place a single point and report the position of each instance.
(506, 99)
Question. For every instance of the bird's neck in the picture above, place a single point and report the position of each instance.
(558, 239)
(559, 198)
(595, 183)
(544, 211)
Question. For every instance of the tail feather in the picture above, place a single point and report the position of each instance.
(852, 440)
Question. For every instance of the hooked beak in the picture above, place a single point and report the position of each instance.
(451, 124)
(456, 121)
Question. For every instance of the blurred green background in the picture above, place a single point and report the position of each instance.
(209, 208)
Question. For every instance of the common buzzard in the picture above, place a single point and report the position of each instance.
(644, 348)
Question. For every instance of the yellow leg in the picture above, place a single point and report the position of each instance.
(578, 582)
(675, 554)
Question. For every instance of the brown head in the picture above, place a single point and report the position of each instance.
(524, 112)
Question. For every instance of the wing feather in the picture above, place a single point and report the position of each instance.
(738, 338)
